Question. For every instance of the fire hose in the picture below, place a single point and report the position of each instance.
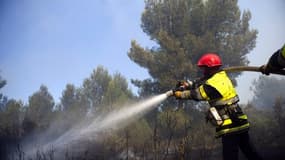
(251, 69)
(241, 69)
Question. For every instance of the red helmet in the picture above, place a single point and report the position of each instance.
(209, 60)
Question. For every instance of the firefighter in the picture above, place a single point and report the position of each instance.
(275, 63)
(224, 112)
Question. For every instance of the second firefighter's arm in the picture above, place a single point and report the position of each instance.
(276, 62)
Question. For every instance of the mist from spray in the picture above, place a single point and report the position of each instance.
(91, 131)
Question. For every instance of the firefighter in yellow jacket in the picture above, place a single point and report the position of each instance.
(224, 112)
(276, 62)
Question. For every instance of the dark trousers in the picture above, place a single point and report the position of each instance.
(232, 144)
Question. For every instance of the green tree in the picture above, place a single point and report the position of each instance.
(40, 108)
(3, 99)
(73, 100)
(117, 93)
(95, 87)
(185, 29)
(10, 123)
(11, 119)
(68, 97)
(103, 91)
(10, 115)
(74, 106)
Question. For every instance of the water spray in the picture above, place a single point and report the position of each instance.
(113, 121)
(118, 119)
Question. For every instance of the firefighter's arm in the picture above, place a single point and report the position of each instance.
(201, 93)
(182, 90)
(275, 63)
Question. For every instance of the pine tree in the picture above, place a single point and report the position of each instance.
(184, 30)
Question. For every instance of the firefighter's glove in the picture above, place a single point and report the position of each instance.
(178, 94)
(184, 85)
(265, 69)
(182, 94)
(268, 68)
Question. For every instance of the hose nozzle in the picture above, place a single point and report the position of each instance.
(169, 93)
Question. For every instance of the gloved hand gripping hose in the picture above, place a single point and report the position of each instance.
(180, 86)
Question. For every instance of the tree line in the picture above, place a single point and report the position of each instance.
(161, 134)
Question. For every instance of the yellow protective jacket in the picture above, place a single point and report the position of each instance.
(219, 91)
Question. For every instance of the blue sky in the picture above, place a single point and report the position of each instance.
(57, 42)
